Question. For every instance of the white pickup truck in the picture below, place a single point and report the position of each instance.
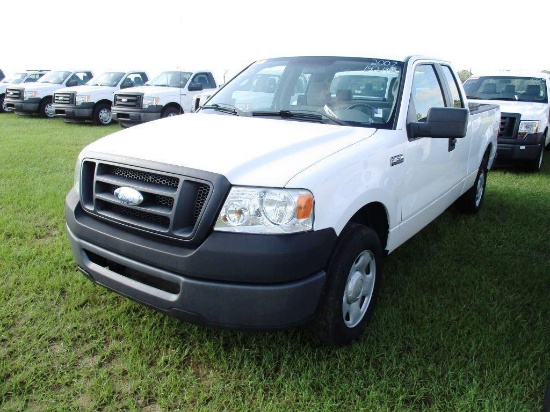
(280, 212)
(37, 97)
(28, 76)
(524, 102)
(169, 94)
(94, 100)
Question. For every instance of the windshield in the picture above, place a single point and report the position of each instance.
(170, 79)
(14, 78)
(525, 89)
(54, 77)
(349, 91)
(110, 79)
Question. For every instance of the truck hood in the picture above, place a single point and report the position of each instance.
(38, 86)
(88, 89)
(150, 90)
(528, 110)
(247, 151)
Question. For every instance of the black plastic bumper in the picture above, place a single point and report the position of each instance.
(23, 107)
(134, 116)
(230, 280)
(527, 148)
(81, 112)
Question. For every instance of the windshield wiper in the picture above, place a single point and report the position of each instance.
(301, 115)
(224, 108)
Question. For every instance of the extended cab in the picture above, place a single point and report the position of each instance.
(523, 100)
(28, 76)
(278, 211)
(93, 101)
(31, 98)
(168, 94)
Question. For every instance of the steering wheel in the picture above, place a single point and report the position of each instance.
(353, 106)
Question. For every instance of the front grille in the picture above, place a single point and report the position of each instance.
(64, 98)
(127, 100)
(509, 123)
(15, 94)
(172, 204)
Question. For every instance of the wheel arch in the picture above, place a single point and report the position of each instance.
(375, 216)
(173, 105)
(106, 101)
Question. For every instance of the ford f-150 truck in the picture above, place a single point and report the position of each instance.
(523, 100)
(93, 101)
(31, 98)
(28, 76)
(168, 94)
(279, 212)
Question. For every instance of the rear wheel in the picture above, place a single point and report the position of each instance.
(102, 115)
(46, 108)
(351, 289)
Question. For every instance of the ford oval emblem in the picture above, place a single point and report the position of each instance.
(128, 196)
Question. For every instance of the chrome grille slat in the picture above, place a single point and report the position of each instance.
(127, 100)
(64, 98)
(16, 94)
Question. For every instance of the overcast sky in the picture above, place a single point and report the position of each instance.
(227, 35)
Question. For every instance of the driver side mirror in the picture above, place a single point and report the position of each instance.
(195, 87)
(442, 122)
(72, 82)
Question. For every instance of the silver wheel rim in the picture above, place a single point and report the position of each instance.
(105, 116)
(480, 188)
(49, 110)
(359, 289)
(171, 114)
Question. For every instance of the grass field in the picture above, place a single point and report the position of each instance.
(463, 323)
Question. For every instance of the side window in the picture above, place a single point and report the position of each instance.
(451, 81)
(202, 79)
(426, 91)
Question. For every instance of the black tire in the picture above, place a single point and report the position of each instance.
(471, 201)
(102, 115)
(536, 164)
(351, 290)
(2, 110)
(170, 111)
(546, 400)
(45, 109)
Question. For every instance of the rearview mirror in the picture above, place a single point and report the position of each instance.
(442, 122)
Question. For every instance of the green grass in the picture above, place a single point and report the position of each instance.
(463, 322)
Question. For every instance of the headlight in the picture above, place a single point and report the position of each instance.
(30, 95)
(528, 127)
(150, 100)
(263, 210)
(82, 98)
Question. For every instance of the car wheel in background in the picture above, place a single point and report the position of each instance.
(102, 115)
(46, 108)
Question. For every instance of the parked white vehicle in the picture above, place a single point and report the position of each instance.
(93, 100)
(28, 76)
(523, 100)
(272, 216)
(31, 98)
(168, 94)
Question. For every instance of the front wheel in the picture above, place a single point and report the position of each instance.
(470, 202)
(46, 108)
(536, 164)
(102, 115)
(170, 111)
(351, 289)
(2, 108)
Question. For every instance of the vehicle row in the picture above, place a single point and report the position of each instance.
(129, 97)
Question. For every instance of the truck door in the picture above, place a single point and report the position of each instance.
(191, 90)
(430, 167)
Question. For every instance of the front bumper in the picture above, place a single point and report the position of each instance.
(230, 280)
(80, 112)
(136, 115)
(29, 106)
(527, 148)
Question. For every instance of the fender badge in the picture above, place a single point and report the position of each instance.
(128, 196)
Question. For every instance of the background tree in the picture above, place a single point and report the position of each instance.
(464, 74)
